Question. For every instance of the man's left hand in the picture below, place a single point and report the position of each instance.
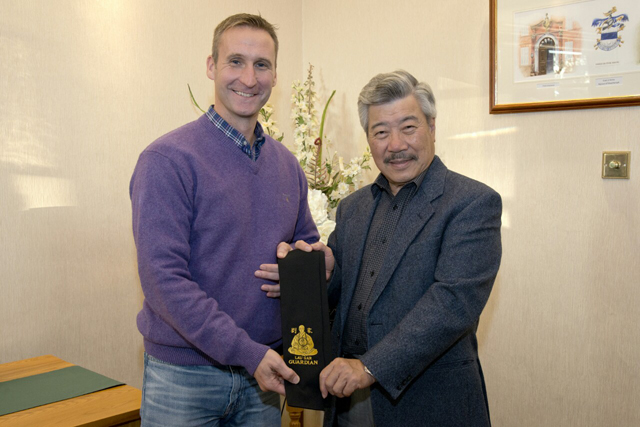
(270, 272)
(272, 372)
(344, 376)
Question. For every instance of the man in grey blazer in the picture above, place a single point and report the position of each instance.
(414, 258)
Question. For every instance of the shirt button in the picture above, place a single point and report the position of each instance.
(384, 240)
(372, 273)
(360, 306)
(395, 207)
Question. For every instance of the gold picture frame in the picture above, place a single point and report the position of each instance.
(550, 55)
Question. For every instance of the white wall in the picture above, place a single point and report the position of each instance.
(559, 338)
(86, 85)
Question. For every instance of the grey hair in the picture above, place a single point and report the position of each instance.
(388, 87)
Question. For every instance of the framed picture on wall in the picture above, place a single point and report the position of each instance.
(564, 54)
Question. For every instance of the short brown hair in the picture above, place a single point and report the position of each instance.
(242, 19)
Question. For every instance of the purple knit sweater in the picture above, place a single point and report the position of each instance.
(205, 216)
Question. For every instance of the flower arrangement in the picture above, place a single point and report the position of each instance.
(328, 178)
(325, 173)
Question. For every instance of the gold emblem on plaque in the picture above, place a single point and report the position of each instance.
(302, 344)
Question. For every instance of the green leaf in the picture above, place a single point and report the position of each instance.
(193, 99)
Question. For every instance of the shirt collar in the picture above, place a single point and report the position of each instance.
(235, 135)
(382, 183)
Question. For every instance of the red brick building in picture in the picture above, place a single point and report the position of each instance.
(549, 47)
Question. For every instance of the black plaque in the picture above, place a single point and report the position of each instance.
(306, 337)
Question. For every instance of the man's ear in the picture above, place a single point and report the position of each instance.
(275, 78)
(432, 125)
(211, 68)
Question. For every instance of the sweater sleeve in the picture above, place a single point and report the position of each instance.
(162, 204)
(305, 227)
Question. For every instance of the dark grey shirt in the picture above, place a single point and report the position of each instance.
(389, 210)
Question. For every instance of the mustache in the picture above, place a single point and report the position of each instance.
(399, 156)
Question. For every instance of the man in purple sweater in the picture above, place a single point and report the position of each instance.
(211, 201)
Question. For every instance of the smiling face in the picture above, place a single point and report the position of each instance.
(401, 139)
(244, 75)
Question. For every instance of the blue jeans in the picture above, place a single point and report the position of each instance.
(174, 395)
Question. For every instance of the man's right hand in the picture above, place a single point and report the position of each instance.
(272, 372)
(270, 271)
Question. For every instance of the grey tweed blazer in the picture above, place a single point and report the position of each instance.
(427, 300)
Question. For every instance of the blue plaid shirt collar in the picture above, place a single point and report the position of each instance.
(238, 139)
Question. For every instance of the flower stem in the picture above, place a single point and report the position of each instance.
(324, 116)
(193, 99)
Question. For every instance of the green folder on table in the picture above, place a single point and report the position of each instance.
(41, 389)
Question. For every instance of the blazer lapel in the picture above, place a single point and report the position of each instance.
(417, 214)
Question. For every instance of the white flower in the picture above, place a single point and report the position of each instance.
(343, 189)
(352, 170)
(301, 106)
(268, 124)
(306, 117)
(318, 204)
(308, 155)
(325, 229)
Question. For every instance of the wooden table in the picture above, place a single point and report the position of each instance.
(116, 406)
